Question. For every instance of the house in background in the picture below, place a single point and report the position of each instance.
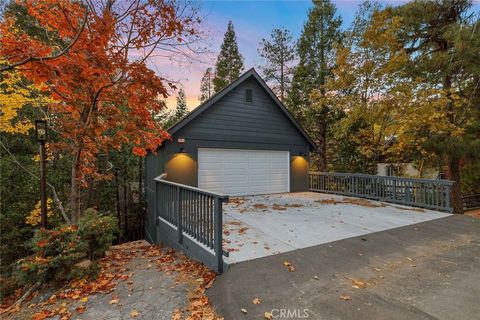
(408, 170)
(242, 141)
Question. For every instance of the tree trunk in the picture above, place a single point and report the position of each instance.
(322, 145)
(117, 194)
(75, 188)
(456, 193)
(453, 161)
(282, 84)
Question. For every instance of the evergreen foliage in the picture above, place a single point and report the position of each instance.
(206, 85)
(181, 109)
(316, 53)
(278, 53)
(229, 63)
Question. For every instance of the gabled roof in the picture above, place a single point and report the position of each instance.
(219, 95)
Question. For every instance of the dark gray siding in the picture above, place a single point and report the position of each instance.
(231, 119)
(231, 123)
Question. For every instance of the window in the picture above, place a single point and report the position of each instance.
(248, 95)
(395, 170)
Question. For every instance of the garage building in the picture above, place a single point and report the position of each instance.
(242, 141)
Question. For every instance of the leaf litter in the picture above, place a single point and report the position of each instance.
(113, 270)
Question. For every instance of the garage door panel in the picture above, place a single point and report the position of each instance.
(243, 172)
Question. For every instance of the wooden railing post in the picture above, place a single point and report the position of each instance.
(179, 214)
(447, 197)
(218, 225)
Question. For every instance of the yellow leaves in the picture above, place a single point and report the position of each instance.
(289, 266)
(345, 297)
(256, 301)
(134, 313)
(34, 216)
(15, 94)
(268, 315)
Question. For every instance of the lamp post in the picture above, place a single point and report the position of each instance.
(41, 135)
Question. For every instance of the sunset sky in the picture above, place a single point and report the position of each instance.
(253, 20)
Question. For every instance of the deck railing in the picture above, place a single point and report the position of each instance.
(432, 194)
(194, 212)
(471, 201)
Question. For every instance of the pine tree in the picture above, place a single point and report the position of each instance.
(315, 49)
(229, 62)
(442, 40)
(278, 53)
(181, 108)
(206, 85)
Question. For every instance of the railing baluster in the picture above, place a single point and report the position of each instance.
(218, 233)
(179, 214)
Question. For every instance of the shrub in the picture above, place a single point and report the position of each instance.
(55, 253)
(97, 231)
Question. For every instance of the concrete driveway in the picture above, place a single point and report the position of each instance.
(428, 270)
(260, 226)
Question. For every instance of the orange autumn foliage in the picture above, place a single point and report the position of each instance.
(104, 94)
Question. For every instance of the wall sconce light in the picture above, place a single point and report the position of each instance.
(181, 142)
(301, 154)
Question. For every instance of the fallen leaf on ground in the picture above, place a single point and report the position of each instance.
(256, 301)
(345, 297)
(84, 299)
(268, 315)
(114, 300)
(289, 266)
(278, 207)
(177, 315)
(80, 309)
(242, 230)
(43, 314)
(294, 205)
(134, 313)
(243, 310)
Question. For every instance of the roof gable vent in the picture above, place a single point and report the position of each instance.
(248, 95)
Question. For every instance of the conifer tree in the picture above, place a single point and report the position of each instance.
(206, 85)
(229, 62)
(316, 50)
(278, 53)
(181, 108)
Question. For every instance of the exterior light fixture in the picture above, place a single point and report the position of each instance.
(182, 150)
(301, 154)
(181, 140)
(41, 136)
(41, 130)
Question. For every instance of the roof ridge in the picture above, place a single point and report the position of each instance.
(217, 96)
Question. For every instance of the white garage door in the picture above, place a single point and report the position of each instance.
(243, 172)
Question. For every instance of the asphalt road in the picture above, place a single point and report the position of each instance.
(429, 270)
